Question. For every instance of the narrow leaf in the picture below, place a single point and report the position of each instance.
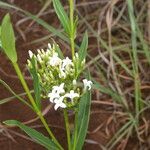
(83, 119)
(62, 15)
(83, 47)
(8, 39)
(36, 83)
(38, 137)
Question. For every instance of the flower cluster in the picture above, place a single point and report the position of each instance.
(58, 77)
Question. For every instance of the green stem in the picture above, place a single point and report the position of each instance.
(72, 47)
(67, 128)
(72, 36)
(38, 112)
(23, 82)
(76, 130)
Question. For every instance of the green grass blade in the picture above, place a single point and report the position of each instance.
(8, 39)
(126, 129)
(122, 64)
(144, 44)
(62, 15)
(116, 97)
(137, 93)
(38, 137)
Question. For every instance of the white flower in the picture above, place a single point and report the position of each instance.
(87, 84)
(30, 54)
(56, 91)
(71, 95)
(53, 95)
(55, 60)
(59, 103)
(59, 89)
(66, 62)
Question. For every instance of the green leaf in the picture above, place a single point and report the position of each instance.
(83, 47)
(8, 39)
(62, 15)
(38, 137)
(36, 82)
(82, 54)
(83, 119)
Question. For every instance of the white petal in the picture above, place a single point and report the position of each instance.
(63, 105)
(56, 106)
(53, 96)
(59, 103)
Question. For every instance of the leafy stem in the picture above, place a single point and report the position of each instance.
(36, 109)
